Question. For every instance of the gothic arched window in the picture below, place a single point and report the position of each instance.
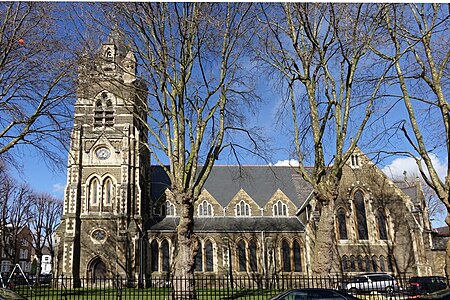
(382, 225)
(103, 111)
(286, 254)
(297, 257)
(154, 256)
(242, 256)
(209, 263)
(342, 224)
(345, 263)
(367, 263)
(169, 208)
(199, 259)
(360, 263)
(374, 263)
(242, 209)
(94, 190)
(253, 258)
(361, 216)
(280, 209)
(108, 191)
(205, 209)
(382, 264)
(352, 264)
(165, 256)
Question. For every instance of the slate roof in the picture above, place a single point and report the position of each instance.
(260, 182)
(234, 224)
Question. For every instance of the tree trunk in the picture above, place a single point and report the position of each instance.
(324, 244)
(184, 281)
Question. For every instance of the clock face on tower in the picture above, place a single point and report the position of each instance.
(103, 153)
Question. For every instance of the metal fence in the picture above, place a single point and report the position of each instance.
(206, 287)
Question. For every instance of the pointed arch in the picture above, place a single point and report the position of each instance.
(108, 191)
(280, 209)
(199, 259)
(209, 256)
(97, 269)
(286, 256)
(345, 263)
(297, 257)
(361, 218)
(165, 256)
(243, 209)
(154, 258)
(252, 256)
(169, 208)
(382, 228)
(242, 256)
(94, 190)
(342, 223)
(205, 209)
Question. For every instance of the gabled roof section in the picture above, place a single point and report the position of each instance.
(259, 182)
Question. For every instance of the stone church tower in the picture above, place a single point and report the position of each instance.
(106, 197)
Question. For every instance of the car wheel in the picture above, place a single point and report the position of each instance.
(390, 290)
(353, 290)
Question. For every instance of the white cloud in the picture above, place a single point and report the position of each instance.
(58, 188)
(287, 162)
(400, 165)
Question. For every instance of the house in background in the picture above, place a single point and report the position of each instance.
(18, 249)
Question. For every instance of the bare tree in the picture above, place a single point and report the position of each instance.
(45, 217)
(15, 214)
(193, 59)
(34, 79)
(322, 53)
(417, 46)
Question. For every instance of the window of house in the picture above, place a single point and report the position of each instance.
(390, 263)
(205, 209)
(5, 266)
(154, 260)
(23, 254)
(361, 216)
(382, 225)
(280, 209)
(342, 224)
(242, 209)
(165, 256)
(242, 256)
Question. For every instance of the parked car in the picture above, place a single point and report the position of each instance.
(6, 294)
(439, 295)
(426, 284)
(369, 282)
(309, 294)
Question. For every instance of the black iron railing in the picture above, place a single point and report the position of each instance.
(206, 287)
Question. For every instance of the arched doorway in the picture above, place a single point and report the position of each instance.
(97, 270)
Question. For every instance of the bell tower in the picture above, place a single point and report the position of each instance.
(107, 190)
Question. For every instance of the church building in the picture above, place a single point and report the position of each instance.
(119, 217)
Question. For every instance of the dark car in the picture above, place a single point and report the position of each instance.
(306, 294)
(426, 284)
(439, 295)
(6, 294)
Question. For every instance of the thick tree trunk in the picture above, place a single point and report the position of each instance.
(183, 281)
(325, 238)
